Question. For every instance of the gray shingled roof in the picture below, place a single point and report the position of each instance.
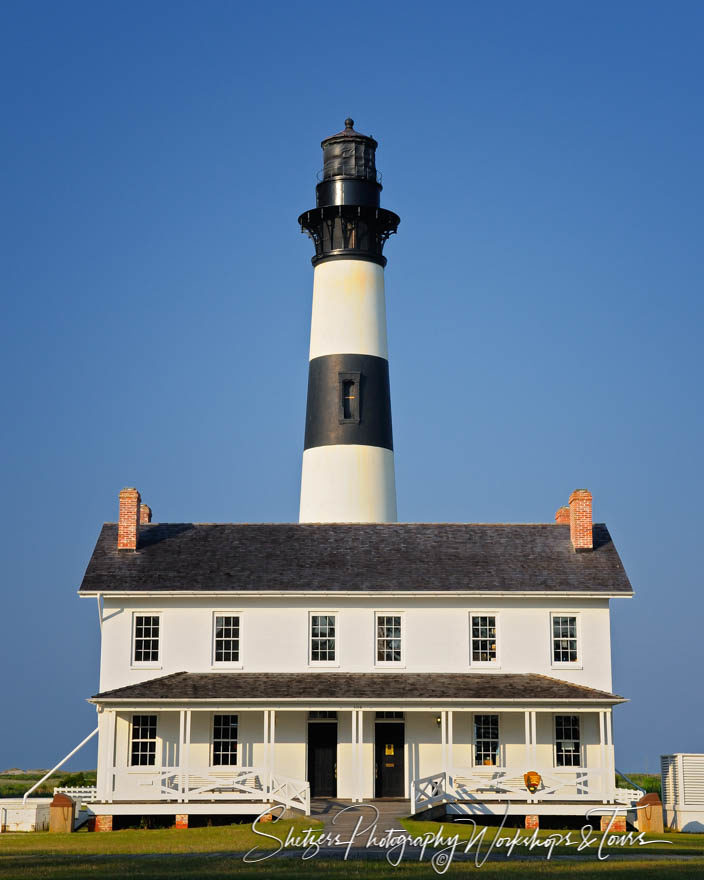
(355, 558)
(354, 686)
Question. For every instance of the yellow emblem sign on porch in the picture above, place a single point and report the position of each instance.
(532, 781)
(389, 749)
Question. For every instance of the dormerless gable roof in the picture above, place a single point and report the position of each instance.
(403, 557)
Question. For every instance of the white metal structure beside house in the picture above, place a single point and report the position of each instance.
(683, 791)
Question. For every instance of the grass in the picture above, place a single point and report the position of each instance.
(169, 854)
(198, 867)
(15, 785)
(133, 841)
(648, 781)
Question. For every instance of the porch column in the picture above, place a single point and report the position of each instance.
(534, 736)
(360, 753)
(187, 753)
(443, 740)
(527, 737)
(450, 743)
(265, 745)
(112, 725)
(272, 740)
(107, 724)
(355, 757)
(181, 741)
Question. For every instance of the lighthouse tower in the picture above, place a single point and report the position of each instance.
(348, 459)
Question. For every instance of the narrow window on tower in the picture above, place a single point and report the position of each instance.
(349, 384)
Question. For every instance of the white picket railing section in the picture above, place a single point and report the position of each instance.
(234, 784)
(505, 783)
(81, 794)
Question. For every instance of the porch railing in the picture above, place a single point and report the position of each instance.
(506, 783)
(81, 794)
(233, 784)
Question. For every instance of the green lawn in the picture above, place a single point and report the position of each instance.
(198, 867)
(15, 785)
(168, 854)
(220, 839)
(680, 844)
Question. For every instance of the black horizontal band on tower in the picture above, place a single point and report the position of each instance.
(368, 421)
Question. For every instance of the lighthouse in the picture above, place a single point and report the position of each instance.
(348, 456)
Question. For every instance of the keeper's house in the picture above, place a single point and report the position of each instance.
(349, 655)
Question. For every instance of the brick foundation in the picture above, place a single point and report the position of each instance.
(618, 825)
(532, 822)
(181, 820)
(103, 823)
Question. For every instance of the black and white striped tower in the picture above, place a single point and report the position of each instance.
(348, 460)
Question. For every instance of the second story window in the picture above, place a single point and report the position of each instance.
(323, 638)
(143, 746)
(564, 639)
(388, 638)
(146, 638)
(226, 646)
(483, 637)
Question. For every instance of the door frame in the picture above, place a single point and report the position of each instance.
(401, 724)
(317, 722)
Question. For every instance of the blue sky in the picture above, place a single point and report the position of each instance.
(544, 296)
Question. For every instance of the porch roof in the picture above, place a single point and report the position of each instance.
(344, 687)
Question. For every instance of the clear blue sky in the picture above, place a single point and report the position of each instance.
(544, 296)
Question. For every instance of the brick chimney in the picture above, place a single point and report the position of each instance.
(562, 516)
(581, 520)
(145, 514)
(128, 523)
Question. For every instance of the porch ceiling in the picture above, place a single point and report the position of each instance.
(341, 687)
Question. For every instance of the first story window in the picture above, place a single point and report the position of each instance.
(224, 740)
(388, 638)
(564, 639)
(322, 638)
(483, 638)
(389, 716)
(146, 638)
(486, 740)
(567, 745)
(227, 638)
(143, 746)
(322, 715)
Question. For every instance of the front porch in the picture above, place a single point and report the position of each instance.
(433, 752)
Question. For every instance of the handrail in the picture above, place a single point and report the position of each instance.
(629, 781)
(60, 764)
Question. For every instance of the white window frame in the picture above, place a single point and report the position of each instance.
(147, 664)
(390, 664)
(486, 664)
(328, 663)
(144, 768)
(213, 765)
(582, 745)
(500, 757)
(226, 664)
(567, 664)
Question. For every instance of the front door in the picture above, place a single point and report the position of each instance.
(322, 758)
(389, 741)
